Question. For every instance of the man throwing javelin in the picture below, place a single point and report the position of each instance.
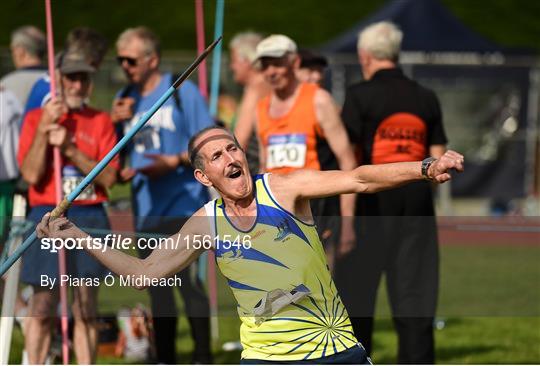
(267, 246)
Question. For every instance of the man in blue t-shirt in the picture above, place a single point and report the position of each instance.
(165, 192)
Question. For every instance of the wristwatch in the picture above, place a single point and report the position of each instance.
(426, 163)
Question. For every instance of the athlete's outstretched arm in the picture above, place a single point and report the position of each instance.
(162, 263)
(308, 184)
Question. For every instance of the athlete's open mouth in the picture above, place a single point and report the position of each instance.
(235, 174)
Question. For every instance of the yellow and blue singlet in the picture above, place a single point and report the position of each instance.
(285, 254)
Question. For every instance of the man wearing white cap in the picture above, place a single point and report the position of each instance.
(298, 127)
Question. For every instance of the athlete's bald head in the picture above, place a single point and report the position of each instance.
(201, 138)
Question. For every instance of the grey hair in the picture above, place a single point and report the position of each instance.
(245, 44)
(382, 40)
(150, 40)
(30, 38)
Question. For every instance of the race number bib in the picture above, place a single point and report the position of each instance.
(286, 151)
(71, 177)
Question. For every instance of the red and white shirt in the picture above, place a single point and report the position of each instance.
(93, 134)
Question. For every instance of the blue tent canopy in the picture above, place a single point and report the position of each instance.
(427, 26)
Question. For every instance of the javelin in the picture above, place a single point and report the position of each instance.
(66, 202)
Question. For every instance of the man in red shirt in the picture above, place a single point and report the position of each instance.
(84, 136)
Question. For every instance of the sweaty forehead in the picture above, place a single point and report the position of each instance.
(210, 141)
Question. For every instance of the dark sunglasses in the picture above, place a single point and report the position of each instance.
(130, 60)
(266, 62)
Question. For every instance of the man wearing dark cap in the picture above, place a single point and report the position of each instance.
(84, 136)
(311, 67)
(87, 42)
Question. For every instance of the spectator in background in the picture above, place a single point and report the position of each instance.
(28, 47)
(81, 40)
(312, 67)
(10, 115)
(165, 192)
(391, 118)
(299, 127)
(242, 54)
(89, 42)
(84, 136)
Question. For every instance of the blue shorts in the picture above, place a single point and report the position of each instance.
(38, 262)
(353, 356)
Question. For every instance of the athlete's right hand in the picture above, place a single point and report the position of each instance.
(122, 109)
(59, 227)
(52, 111)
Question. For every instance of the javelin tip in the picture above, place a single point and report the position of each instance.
(196, 63)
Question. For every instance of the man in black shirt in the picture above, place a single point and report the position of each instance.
(391, 118)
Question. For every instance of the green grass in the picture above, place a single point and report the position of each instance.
(489, 302)
(471, 340)
(485, 281)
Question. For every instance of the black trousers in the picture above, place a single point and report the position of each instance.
(164, 311)
(401, 242)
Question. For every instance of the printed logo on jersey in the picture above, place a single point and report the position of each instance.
(284, 230)
(286, 151)
(162, 118)
(232, 255)
(400, 137)
(148, 138)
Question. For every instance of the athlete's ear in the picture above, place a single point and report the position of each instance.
(202, 178)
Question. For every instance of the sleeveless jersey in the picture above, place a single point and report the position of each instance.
(291, 140)
(287, 300)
